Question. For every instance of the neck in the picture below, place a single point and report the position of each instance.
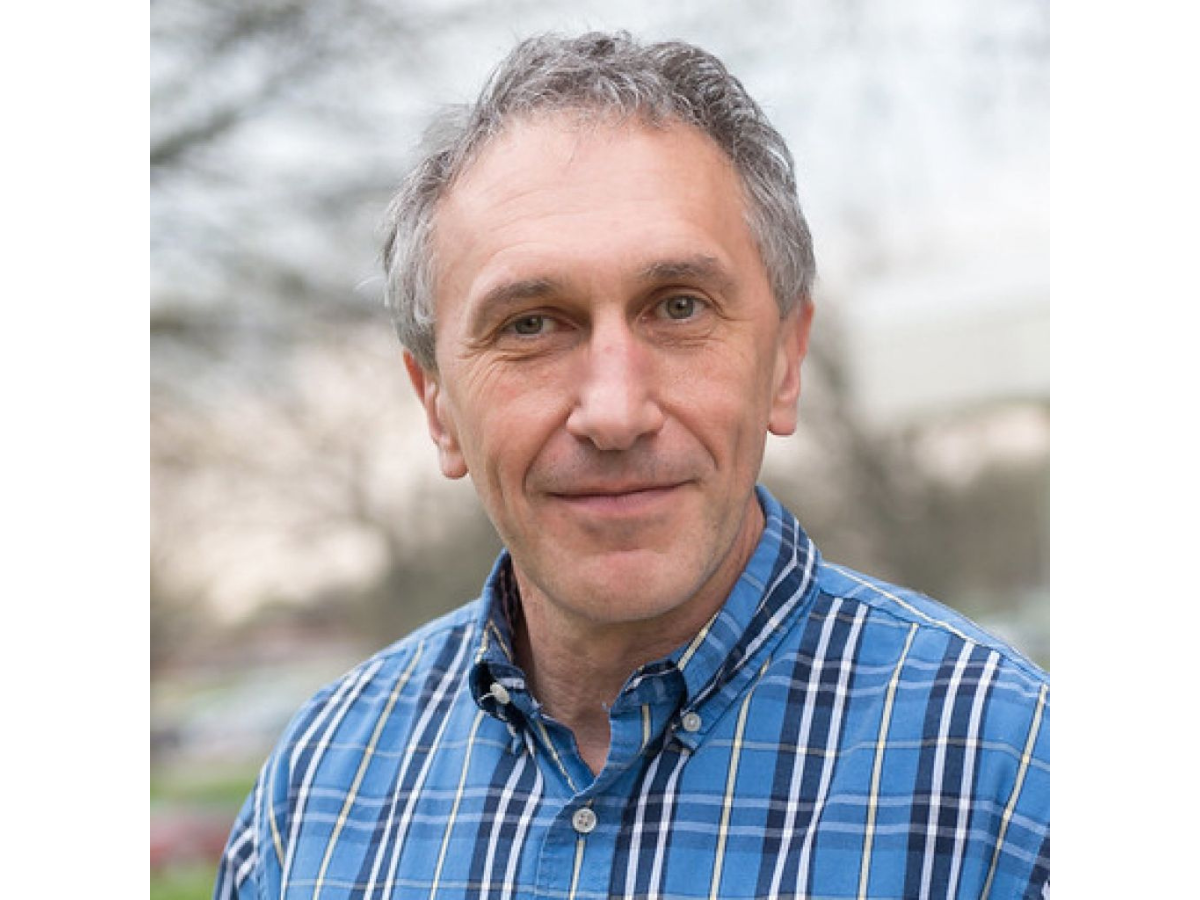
(577, 667)
(578, 674)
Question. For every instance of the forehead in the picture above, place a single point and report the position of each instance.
(586, 197)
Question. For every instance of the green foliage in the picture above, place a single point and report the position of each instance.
(191, 882)
(213, 788)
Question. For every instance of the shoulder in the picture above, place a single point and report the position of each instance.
(320, 753)
(953, 684)
(945, 673)
(398, 669)
(964, 716)
(330, 734)
(452, 629)
(931, 622)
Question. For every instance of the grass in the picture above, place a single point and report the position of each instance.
(224, 787)
(175, 787)
(191, 882)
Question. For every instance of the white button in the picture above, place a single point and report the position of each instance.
(584, 820)
(691, 722)
(501, 694)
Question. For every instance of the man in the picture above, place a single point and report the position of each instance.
(602, 277)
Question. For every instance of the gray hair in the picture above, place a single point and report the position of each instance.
(597, 75)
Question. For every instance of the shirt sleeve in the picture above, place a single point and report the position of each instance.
(251, 865)
(1039, 882)
(1020, 779)
(236, 875)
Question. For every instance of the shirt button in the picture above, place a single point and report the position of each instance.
(501, 694)
(691, 722)
(584, 820)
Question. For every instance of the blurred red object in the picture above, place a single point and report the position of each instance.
(188, 836)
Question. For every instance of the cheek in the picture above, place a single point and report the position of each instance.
(508, 424)
(725, 396)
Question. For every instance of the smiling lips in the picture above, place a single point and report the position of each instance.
(617, 500)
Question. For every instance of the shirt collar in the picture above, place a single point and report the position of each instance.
(495, 659)
(776, 585)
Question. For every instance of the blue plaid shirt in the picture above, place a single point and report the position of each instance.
(826, 735)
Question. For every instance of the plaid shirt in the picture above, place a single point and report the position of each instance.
(826, 735)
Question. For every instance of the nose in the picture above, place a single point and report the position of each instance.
(616, 396)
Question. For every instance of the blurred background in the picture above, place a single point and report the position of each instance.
(299, 522)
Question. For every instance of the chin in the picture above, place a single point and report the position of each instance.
(625, 588)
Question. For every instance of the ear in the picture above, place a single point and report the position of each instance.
(438, 417)
(789, 354)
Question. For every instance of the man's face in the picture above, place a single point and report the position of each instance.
(610, 358)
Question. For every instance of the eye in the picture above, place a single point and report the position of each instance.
(531, 325)
(680, 307)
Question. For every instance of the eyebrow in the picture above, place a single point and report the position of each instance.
(510, 292)
(701, 267)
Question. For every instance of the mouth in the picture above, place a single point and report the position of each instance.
(619, 499)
